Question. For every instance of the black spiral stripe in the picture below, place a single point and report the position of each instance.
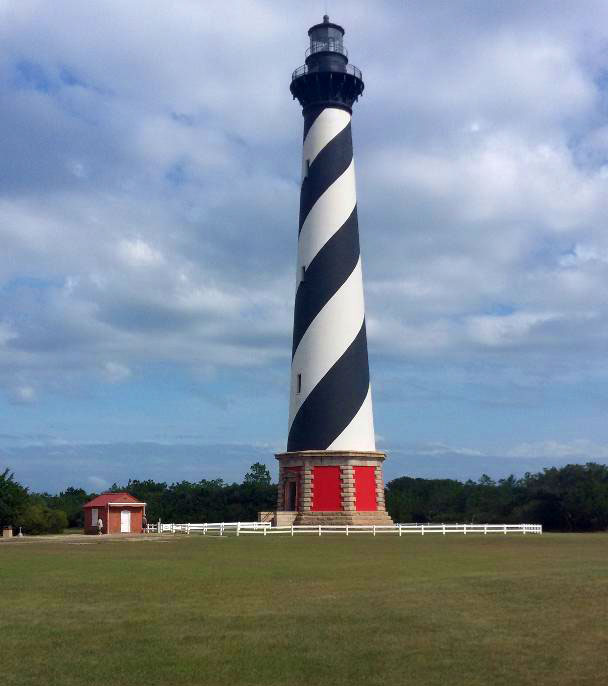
(330, 407)
(310, 119)
(327, 166)
(330, 268)
(334, 401)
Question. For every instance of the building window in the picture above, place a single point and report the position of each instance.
(299, 383)
(94, 516)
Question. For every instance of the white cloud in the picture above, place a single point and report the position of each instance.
(115, 372)
(512, 329)
(580, 448)
(583, 253)
(440, 448)
(137, 253)
(98, 483)
(22, 395)
(7, 333)
(149, 208)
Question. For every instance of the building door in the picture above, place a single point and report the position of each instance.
(326, 489)
(125, 522)
(291, 499)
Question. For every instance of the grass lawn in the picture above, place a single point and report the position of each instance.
(275, 610)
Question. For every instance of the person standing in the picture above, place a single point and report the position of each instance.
(144, 524)
(99, 526)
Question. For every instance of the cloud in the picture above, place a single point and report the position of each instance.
(137, 253)
(494, 330)
(116, 372)
(578, 449)
(94, 466)
(439, 448)
(149, 203)
(22, 395)
(6, 333)
(150, 188)
(97, 483)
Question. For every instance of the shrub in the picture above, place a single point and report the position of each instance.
(39, 519)
(13, 499)
(58, 521)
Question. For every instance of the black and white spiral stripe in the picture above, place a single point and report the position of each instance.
(330, 404)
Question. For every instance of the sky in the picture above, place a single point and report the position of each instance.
(149, 193)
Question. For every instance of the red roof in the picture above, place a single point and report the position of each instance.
(105, 498)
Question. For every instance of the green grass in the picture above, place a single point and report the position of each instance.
(306, 610)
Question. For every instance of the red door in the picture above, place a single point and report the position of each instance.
(365, 489)
(326, 495)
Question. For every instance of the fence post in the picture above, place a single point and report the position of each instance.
(374, 529)
(485, 529)
(291, 529)
(238, 528)
(465, 529)
(347, 529)
(158, 530)
(205, 529)
(443, 525)
(265, 531)
(222, 529)
(399, 529)
(505, 529)
(319, 529)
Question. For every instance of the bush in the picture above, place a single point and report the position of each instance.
(13, 499)
(58, 521)
(70, 501)
(39, 519)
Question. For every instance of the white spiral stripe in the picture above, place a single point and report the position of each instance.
(325, 127)
(327, 338)
(327, 215)
(359, 434)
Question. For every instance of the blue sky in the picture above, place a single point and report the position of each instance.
(149, 171)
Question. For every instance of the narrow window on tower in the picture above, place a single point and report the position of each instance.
(306, 168)
(303, 273)
(299, 384)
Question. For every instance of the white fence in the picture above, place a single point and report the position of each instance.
(218, 527)
(264, 529)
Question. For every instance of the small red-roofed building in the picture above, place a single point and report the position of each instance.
(120, 513)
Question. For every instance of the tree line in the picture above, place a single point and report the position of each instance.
(184, 501)
(30, 511)
(570, 498)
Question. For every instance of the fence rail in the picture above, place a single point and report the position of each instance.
(220, 527)
(265, 528)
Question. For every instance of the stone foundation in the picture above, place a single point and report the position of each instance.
(351, 518)
(296, 487)
(284, 518)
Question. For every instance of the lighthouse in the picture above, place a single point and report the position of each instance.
(331, 472)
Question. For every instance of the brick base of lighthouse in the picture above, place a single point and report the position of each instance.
(331, 487)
